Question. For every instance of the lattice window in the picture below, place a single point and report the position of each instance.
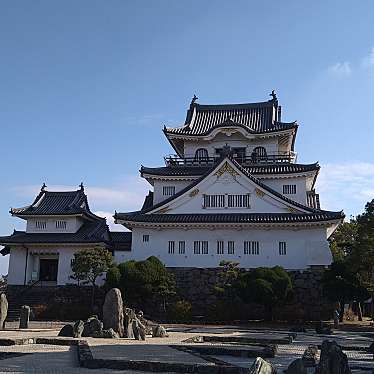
(220, 247)
(289, 189)
(201, 154)
(251, 248)
(282, 248)
(61, 225)
(41, 225)
(200, 247)
(230, 247)
(213, 201)
(146, 238)
(168, 190)
(227, 201)
(171, 248)
(239, 201)
(182, 247)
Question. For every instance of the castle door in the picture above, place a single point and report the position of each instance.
(48, 269)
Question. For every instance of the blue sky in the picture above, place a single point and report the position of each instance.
(86, 87)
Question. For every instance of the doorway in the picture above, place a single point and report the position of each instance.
(48, 269)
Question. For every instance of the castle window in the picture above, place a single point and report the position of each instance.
(171, 248)
(61, 225)
(168, 190)
(259, 154)
(200, 247)
(146, 238)
(282, 248)
(220, 247)
(213, 201)
(201, 154)
(182, 247)
(239, 201)
(41, 225)
(227, 201)
(251, 248)
(231, 247)
(289, 189)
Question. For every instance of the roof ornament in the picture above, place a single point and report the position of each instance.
(81, 186)
(193, 100)
(273, 95)
(226, 150)
(43, 187)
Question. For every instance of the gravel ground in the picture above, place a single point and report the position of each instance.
(63, 359)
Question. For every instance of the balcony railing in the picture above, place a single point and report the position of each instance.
(175, 160)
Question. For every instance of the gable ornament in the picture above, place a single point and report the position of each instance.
(291, 210)
(194, 192)
(226, 168)
(163, 210)
(260, 193)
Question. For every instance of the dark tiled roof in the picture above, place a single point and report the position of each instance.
(91, 232)
(121, 240)
(276, 168)
(56, 203)
(254, 117)
(148, 201)
(231, 218)
(245, 172)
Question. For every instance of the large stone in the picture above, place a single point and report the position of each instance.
(67, 330)
(297, 367)
(260, 366)
(78, 329)
(332, 359)
(159, 332)
(24, 318)
(91, 326)
(3, 310)
(310, 356)
(129, 318)
(113, 311)
(106, 334)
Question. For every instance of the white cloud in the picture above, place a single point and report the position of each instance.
(368, 61)
(346, 186)
(110, 220)
(341, 68)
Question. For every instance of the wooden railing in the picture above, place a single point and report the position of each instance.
(175, 160)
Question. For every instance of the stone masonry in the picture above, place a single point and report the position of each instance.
(196, 285)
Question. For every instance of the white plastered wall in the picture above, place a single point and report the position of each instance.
(72, 224)
(17, 263)
(305, 247)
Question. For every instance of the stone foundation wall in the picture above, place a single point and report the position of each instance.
(196, 285)
(68, 302)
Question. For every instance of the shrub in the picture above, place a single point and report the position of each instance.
(269, 287)
(142, 282)
(181, 311)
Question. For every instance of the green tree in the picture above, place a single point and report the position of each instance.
(341, 283)
(141, 281)
(266, 286)
(225, 288)
(343, 240)
(363, 252)
(89, 264)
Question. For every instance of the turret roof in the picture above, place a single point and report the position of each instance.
(56, 203)
(254, 117)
